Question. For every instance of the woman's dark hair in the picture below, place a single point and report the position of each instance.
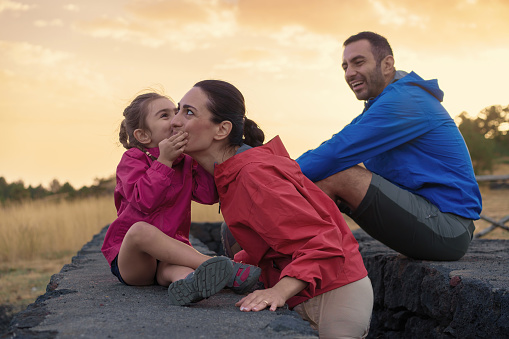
(227, 103)
(134, 118)
(379, 45)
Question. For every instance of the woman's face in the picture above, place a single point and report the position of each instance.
(194, 117)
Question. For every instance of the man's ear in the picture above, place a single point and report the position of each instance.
(142, 136)
(388, 65)
(223, 130)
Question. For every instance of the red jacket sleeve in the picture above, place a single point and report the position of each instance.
(279, 211)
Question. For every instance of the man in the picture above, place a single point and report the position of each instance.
(417, 193)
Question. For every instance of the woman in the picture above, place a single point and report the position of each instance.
(285, 224)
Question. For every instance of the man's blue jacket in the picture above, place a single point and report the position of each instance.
(406, 136)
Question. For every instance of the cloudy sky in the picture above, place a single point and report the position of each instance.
(68, 68)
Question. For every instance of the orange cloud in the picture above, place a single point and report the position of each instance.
(15, 6)
(181, 12)
(71, 8)
(35, 63)
(183, 25)
(322, 16)
(416, 24)
(51, 23)
(28, 54)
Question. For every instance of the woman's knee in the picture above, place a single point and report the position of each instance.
(344, 312)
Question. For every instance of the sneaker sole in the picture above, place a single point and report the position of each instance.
(209, 278)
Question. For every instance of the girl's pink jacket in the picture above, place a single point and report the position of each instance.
(150, 191)
(285, 224)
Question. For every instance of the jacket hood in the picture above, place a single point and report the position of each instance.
(227, 171)
(430, 86)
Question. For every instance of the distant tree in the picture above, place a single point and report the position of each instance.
(17, 191)
(3, 189)
(106, 185)
(482, 150)
(486, 135)
(66, 188)
(84, 191)
(54, 186)
(38, 192)
(492, 122)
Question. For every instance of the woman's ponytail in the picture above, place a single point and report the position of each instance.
(253, 135)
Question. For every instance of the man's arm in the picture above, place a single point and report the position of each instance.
(389, 123)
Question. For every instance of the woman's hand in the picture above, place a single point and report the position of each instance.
(272, 297)
(260, 299)
(171, 148)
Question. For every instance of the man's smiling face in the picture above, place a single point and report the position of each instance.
(362, 71)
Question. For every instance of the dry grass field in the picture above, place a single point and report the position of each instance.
(38, 238)
(495, 204)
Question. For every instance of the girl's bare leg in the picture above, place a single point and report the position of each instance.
(168, 273)
(143, 245)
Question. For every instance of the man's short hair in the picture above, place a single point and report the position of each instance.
(379, 45)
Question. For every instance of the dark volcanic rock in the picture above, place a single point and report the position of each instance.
(85, 300)
(468, 298)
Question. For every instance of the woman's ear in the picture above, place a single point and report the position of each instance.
(223, 130)
(142, 136)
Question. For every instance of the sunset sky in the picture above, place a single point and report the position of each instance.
(68, 68)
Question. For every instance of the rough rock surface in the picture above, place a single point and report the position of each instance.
(209, 233)
(468, 298)
(85, 300)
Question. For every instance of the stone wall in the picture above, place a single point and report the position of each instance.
(84, 300)
(209, 234)
(468, 298)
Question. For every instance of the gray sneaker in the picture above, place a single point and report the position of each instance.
(244, 278)
(208, 279)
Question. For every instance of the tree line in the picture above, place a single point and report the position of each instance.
(486, 135)
(17, 192)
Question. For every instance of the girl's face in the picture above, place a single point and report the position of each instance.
(194, 117)
(158, 120)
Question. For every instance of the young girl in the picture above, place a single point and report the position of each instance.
(284, 223)
(149, 241)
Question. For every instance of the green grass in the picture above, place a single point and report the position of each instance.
(23, 283)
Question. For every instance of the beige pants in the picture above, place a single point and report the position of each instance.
(341, 313)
